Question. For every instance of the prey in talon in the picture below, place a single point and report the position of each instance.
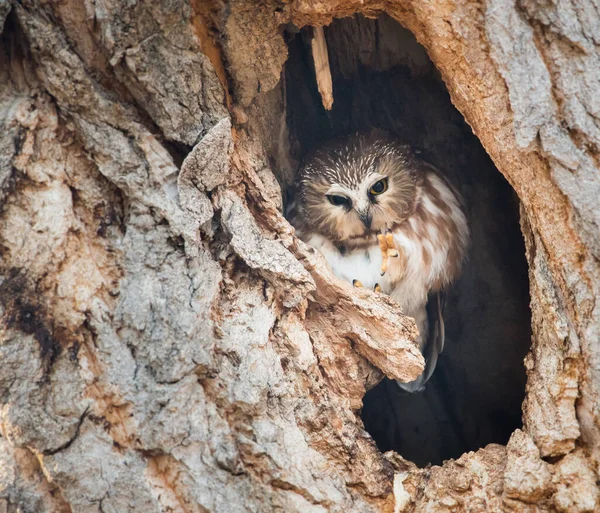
(385, 219)
(388, 249)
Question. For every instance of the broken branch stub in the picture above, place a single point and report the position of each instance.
(322, 70)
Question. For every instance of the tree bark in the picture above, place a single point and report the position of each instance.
(169, 345)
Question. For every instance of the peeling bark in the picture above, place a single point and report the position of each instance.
(169, 345)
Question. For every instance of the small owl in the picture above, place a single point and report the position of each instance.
(385, 219)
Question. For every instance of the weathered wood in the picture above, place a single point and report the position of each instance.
(169, 345)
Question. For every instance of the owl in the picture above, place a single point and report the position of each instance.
(384, 218)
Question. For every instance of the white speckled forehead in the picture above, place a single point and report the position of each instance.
(352, 163)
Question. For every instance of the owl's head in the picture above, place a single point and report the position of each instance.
(357, 185)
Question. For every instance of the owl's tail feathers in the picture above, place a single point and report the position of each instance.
(418, 385)
(434, 345)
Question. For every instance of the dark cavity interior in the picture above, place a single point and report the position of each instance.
(383, 78)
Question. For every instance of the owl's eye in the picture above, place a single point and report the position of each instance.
(379, 187)
(337, 200)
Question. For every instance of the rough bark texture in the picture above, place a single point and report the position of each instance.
(169, 345)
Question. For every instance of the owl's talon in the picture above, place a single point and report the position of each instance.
(357, 284)
(393, 253)
(377, 288)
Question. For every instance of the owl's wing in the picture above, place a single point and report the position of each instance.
(434, 345)
(437, 333)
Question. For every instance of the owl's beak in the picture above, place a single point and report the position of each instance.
(366, 218)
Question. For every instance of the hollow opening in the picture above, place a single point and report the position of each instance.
(383, 78)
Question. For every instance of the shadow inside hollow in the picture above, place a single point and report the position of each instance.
(383, 78)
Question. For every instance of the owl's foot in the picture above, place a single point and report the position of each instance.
(388, 249)
(358, 284)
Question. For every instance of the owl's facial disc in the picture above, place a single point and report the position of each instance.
(357, 189)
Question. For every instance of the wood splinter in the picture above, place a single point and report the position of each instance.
(388, 250)
(322, 70)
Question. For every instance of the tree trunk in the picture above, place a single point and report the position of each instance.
(169, 345)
